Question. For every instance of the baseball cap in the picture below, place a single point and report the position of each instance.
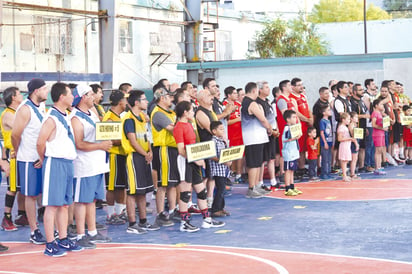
(35, 84)
(162, 92)
(78, 93)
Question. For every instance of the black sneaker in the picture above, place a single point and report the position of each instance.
(3, 248)
(186, 226)
(163, 220)
(37, 238)
(85, 243)
(149, 227)
(99, 238)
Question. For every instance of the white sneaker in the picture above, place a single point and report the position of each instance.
(209, 223)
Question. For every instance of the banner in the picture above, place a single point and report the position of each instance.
(108, 131)
(358, 133)
(386, 122)
(200, 151)
(295, 130)
(231, 154)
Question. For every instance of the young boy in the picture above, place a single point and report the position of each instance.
(219, 171)
(312, 145)
(290, 152)
(326, 142)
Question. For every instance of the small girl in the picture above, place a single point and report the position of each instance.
(354, 146)
(345, 141)
(378, 135)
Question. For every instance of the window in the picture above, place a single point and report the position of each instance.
(53, 35)
(125, 37)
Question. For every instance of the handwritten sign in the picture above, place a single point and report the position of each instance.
(295, 130)
(358, 133)
(386, 122)
(200, 151)
(231, 154)
(108, 131)
(406, 120)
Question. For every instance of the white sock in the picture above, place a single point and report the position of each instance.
(260, 183)
(80, 236)
(171, 211)
(110, 210)
(189, 204)
(92, 232)
(273, 181)
(119, 208)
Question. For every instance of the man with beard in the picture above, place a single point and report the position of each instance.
(369, 96)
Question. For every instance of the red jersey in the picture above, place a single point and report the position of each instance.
(234, 131)
(302, 103)
(184, 133)
(312, 153)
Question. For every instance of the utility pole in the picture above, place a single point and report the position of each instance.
(365, 32)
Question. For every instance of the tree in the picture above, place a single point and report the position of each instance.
(296, 37)
(399, 8)
(345, 11)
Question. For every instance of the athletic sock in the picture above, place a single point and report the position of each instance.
(260, 183)
(287, 188)
(251, 188)
(118, 208)
(205, 213)
(110, 210)
(292, 186)
(171, 211)
(143, 221)
(273, 181)
(80, 236)
(92, 233)
(132, 223)
(21, 212)
(184, 215)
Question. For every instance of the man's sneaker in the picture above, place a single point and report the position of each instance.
(123, 215)
(370, 169)
(277, 187)
(135, 229)
(100, 226)
(53, 250)
(175, 216)
(7, 224)
(409, 162)
(115, 220)
(37, 238)
(314, 179)
(218, 214)
(99, 238)
(71, 232)
(162, 219)
(40, 214)
(209, 223)
(186, 226)
(194, 209)
(21, 220)
(251, 193)
(379, 172)
(266, 189)
(297, 191)
(69, 245)
(290, 192)
(149, 227)
(3, 248)
(85, 243)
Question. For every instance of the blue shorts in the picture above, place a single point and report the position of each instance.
(88, 189)
(290, 165)
(58, 182)
(30, 178)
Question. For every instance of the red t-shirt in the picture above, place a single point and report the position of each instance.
(234, 131)
(184, 133)
(312, 153)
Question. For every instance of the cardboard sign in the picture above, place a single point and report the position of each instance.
(386, 122)
(231, 154)
(406, 120)
(358, 133)
(200, 151)
(295, 130)
(108, 131)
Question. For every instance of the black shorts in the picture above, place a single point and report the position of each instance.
(116, 178)
(397, 131)
(254, 155)
(139, 175)
(277, 150)
(290, 165)
(189, 172)
(165, 163)
(269, 150)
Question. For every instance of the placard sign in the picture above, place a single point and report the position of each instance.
(406, 120)
(358, 133)
(231, 154)
(200, 151)
(108, 131)
(386, 122)
(295, 130)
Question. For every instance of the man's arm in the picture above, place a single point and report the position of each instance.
(47, 131)
(203, 120)
(256, 110)
(84, 145)
(20, 122)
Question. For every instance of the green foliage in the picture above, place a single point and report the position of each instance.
(399, 8)
(296, 37)
(345, 11)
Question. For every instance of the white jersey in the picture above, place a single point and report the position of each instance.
(27, 151)
(62, 146)
(89, 163)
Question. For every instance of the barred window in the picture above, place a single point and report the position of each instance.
(53, 35)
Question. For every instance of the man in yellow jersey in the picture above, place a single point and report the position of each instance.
(12, 98)
(138, 160)
(116, 178)
(165, 156)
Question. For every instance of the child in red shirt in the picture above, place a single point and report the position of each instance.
(312, 146)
